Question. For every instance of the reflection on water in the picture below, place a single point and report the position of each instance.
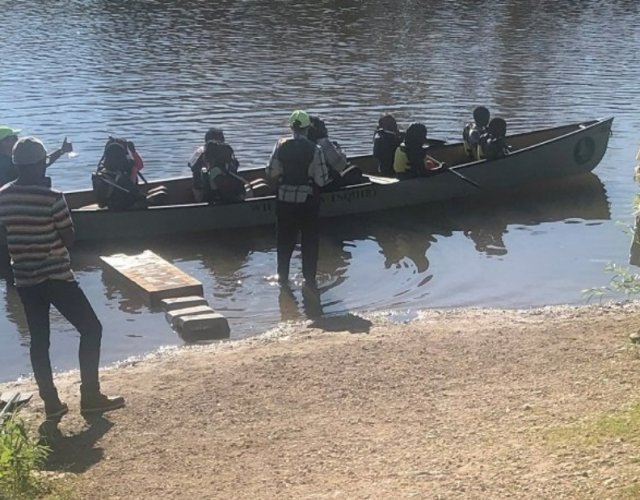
(160, 72)
(369, 262)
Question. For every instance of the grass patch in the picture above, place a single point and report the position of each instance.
(21, 457)
(623, 425)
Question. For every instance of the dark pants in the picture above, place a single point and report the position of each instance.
(71, 302)
(294, 219)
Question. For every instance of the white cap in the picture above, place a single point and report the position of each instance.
(28, 151)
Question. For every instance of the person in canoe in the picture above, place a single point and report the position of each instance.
(8, 138)
(340, 173)
(473, 132)
(196, 162)
(493, 143)
(220, 181)
(115, 183)
(411, 158)
(300, 169)
(386, 140)
(39, 234)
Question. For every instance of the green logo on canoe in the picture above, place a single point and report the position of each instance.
(584, 150)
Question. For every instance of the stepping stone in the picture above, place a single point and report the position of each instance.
(173, 316)
(212, 326)
(183, 303)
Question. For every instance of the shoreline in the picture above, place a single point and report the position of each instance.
(288, 328)
(457, 403)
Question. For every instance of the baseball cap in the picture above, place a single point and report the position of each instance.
(28, 151)
(300, 119)
(7, 131)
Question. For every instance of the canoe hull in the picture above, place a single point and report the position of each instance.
(576, 152)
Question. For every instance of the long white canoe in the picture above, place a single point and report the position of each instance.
(537, 156)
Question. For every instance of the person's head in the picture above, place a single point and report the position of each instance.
(318, 129)
(388, 122)
(481, 116)
(116, 157)
(300, 122)
(8, 139)
(497, 128)
(416, 135)
(214, 134)
(30, 156)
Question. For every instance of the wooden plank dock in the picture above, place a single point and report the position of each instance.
(179, 294)
(155, 278)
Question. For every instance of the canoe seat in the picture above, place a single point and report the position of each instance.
(376, 179)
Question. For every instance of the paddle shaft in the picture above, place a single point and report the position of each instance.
(466, 179)
(9, 404)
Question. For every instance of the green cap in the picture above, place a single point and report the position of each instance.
(6, 131)
(299, 119)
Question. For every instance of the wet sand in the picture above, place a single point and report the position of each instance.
(455, 404)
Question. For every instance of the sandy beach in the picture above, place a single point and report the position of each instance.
(472, 404)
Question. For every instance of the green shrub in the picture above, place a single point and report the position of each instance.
(20, 458)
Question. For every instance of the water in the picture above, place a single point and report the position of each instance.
(161, 72)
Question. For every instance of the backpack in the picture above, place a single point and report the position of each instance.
(117, 156)
(220, 155)
(115, 167)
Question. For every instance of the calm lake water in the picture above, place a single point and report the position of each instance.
(161, 72)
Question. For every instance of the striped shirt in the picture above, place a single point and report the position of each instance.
(32, 216)
(318, 171)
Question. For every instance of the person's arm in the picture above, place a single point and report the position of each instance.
(196, 160)
(62, 221)
(274, 168)
(438, 164)
(67, 147)
(318, 169)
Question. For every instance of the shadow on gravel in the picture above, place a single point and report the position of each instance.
(344, 323)
(77, 452)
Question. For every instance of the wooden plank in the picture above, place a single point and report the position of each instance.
(153, 277)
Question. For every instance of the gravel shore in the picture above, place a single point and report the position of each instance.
(460, 404)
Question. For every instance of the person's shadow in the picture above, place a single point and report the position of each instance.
(74, 453)
(312, 310)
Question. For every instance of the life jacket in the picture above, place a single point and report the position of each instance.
(296, 155)
(417, 166)
(471, 139)
(219, 176)
(385, 143)
(490, 148)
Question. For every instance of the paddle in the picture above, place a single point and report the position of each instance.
(464, 178)
(9, 404)
(111, 183)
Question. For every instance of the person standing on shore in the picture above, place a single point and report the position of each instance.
(300, 169)
(8, 138)
(39, 233)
